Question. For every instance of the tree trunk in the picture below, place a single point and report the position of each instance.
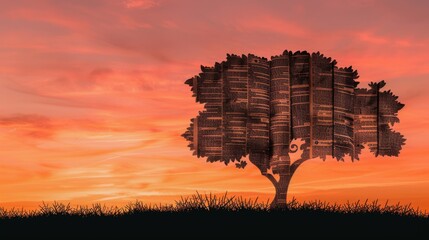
(281, 187)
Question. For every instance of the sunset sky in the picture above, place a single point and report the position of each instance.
(93, 100)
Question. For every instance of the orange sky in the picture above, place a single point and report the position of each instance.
(92, 100)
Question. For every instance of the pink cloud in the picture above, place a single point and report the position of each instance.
(143, 4)
(269, 24)
(371, 38)
(34, 126)
(47, 15)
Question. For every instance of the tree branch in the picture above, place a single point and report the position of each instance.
(271, 178)
(296, 164)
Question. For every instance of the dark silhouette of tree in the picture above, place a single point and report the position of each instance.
(257, 107)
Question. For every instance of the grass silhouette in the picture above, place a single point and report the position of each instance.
(217, 216)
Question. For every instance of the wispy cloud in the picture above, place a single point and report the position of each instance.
(143, 4)
(34, 126)
(268, 24)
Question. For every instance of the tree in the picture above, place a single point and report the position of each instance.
(257, 107)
